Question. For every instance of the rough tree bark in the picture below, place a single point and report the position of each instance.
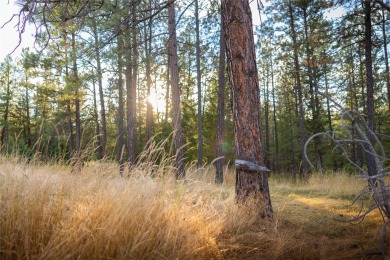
(244, 84)
(175, 88)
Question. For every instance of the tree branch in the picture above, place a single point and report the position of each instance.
(383, 5)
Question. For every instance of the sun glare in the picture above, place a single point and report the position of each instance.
(152, 99)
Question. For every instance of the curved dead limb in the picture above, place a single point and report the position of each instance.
(343, 135)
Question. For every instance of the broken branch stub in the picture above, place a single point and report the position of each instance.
(250, 166)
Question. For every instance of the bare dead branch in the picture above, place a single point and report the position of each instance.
(376, 188)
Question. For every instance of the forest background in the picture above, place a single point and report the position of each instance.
(98, 86)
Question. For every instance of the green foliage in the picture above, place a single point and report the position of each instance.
(43, 88)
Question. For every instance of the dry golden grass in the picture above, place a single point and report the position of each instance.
(48, 213)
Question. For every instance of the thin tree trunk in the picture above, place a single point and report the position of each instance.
(360, 148)
(167, 92)
(303, 171)
(77, 159)
(290, 122)
(4, 130)
(369, 84)
(220, 135)
(351, 102)
(309, 61)
(318, 127)
(70, 128)
(133, 136)
(276, 138)
(387, 75)
(103, 138)
(28, 119)
(328, 109)
(148, 51)
(68, 109)
(327, 98)
(130, 99)
(313, 89)
(357, 153)
(198, 78)
(176, 111)
(121, 146)
(188, 91)
(266, 115)
(244, 83)
(363, 86)
(156, 93)
(96, 119)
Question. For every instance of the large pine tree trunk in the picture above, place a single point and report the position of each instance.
(244, 83)
(220, 135)
(176, 110)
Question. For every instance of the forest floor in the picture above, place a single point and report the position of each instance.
(48, 213)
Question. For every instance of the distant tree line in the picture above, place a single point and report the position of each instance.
(89, 92)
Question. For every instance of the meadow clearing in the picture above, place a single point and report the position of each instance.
(48, 213)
